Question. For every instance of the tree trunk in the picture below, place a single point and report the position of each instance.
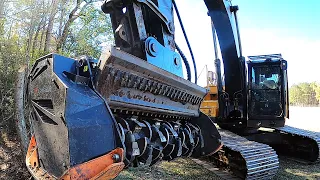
(1, 9)
(72, 17)
(1, 17)
(35, 40)
(62, 15)
(50, 25)
(21, 122)
(31, 32)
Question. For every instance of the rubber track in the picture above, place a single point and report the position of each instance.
(304, 133)
(260, 159)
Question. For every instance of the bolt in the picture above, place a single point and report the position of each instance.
(176, 61)
(116, 158)
(154, 47)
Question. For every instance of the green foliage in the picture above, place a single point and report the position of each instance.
(24, 31)
(10, 60)
(305, 94)
(88, 33)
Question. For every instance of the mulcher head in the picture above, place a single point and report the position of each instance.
(121, 107)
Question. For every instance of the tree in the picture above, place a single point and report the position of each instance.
(304, 94)
(32, 28)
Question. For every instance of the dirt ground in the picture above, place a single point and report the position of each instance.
(11, 157)
(12, 164)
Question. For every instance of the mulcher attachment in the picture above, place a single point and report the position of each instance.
(82, 110)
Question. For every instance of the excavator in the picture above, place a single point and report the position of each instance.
(250, 105)
(89, 119)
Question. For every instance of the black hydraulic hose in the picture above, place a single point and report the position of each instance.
(186, 38)
(185, 61)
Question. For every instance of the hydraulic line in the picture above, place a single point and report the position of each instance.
(185, 61)
(187, 41)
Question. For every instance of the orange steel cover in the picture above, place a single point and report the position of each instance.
(101, 168)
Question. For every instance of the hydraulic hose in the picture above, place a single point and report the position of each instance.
(185, 61)
(187, 41)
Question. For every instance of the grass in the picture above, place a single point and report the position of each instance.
(292, 170)
(179, 169)
(183, 169)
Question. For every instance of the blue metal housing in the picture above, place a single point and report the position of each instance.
(72, 122)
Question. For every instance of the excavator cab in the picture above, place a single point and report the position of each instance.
(267, 91)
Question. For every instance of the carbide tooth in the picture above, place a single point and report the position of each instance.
(124, 80)
(159, 90)
(169, 91)
(153, 87)
(197, 100)
(112, 74)
(118, 77)
(163, 90)
(179, 95)
(173, 93)
(148, 85)
(143, 84)
(131, 80)
(137, 82)
(188, 98)
(193, 99)
(159, 87)
(109, 74)
(183, 96)
(127, 112)
(176, 95)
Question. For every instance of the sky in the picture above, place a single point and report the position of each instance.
(289, 27)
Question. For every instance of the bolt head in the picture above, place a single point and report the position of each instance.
(154, 47)
(116, 158)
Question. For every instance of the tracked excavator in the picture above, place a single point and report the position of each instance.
(250, 105)
(88, 119)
